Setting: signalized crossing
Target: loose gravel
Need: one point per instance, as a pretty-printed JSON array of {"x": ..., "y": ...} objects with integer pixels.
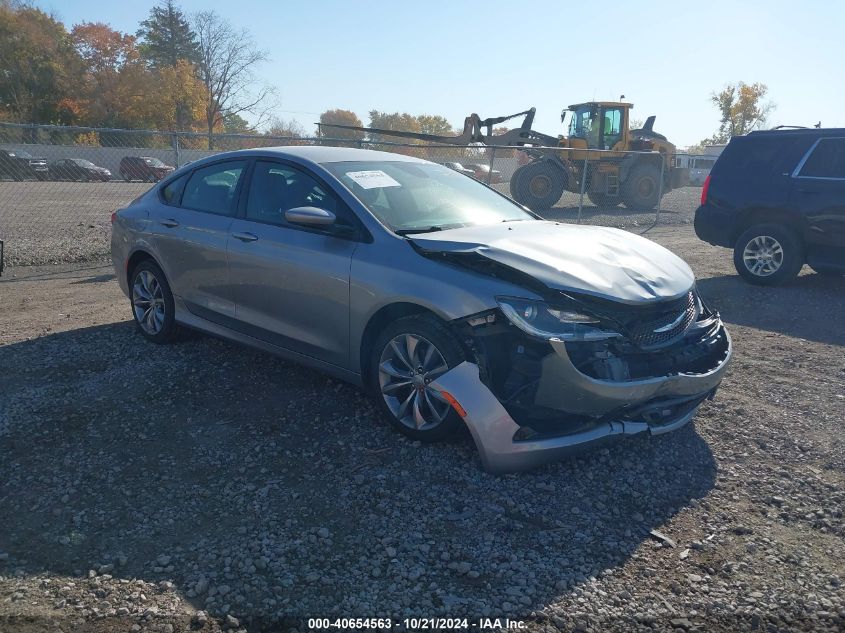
[{"x": 206, "y": 486}]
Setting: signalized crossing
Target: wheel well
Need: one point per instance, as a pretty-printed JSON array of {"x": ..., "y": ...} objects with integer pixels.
[
  {"x": 136, "y": 258},
  {"x": 378, "y": 322},
  {"x": 766, "y": 216}
]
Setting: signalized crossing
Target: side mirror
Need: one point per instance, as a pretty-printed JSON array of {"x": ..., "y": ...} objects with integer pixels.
[{"x": 310, "y": 216}]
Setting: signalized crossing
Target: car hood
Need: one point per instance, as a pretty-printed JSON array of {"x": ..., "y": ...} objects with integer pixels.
[{"x": 598, "y": 261}]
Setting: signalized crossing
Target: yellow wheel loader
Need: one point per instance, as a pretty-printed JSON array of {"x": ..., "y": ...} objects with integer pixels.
[{"x": 622, "y": 165}]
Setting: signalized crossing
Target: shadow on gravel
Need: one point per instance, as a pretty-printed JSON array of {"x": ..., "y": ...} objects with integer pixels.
[
  {"x": 814, "y": 301},
  {"x": 268, "y": 491}
]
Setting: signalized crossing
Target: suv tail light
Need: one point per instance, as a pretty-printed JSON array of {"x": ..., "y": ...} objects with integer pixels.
[
  {"x": 705, "y": 189},
  {"x": 113, "y": 216}
]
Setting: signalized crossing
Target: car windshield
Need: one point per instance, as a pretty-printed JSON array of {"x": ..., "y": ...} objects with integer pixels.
[
  {"x": 83, "y": 163},
  {"x": 21, "y": 154},
  {"x": 420, "y": 197},
  {"x": 154, "y": 162}
]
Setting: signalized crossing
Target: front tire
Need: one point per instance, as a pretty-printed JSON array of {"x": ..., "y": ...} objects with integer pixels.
[
  {"x": 641, "y": 190},
  {"x": 408, "y": 355},
  {"x": 768, "y": 254},
  {"x": 152, "y": 303}
]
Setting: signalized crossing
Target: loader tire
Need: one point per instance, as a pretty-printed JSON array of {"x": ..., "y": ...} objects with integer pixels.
[
  {"x": 539, "y": 185},
  {"x": 641, "y": 190}
]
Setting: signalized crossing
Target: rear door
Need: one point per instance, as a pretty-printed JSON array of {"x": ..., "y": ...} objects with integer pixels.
[
  {"x": 190, "y": 227},
  {"x": 819, "y": 194},
  {"x": 291, "y": 283}
]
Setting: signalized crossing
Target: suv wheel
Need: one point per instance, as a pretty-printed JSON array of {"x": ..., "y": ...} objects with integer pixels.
[
  {"x": 152, "y": 303},
  {"x": 408, "y": 355},
  {"x": 768, "y": 254}
]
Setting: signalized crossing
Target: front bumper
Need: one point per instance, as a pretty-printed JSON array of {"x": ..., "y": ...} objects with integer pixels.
[{"x": 653, "y": 405}]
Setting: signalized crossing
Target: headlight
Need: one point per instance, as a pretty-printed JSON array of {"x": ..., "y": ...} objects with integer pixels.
[{"x": 544, "y": 321}]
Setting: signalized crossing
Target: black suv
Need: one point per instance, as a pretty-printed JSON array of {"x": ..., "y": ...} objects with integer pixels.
[{"x": 778, "y": 199}]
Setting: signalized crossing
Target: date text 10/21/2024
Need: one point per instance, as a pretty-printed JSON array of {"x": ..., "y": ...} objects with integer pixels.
[{"x": 415, "y": 624}]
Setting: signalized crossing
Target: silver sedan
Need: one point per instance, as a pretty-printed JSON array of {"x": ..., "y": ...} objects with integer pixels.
[{"x": 449, "y": 302}]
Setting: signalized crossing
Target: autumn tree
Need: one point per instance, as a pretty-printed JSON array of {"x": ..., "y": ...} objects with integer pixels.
[
  {"x": 742, "y": 108},
  {"x": 166, "y": 37},
  {"x": 340, "y": 117},
  {"x": 40, "y": 71},
  {"x": 435, "y": 124},
  {"x": 117, "y": 84},
  {"x": 227, "y": 63},
  {"x": 181, "y": 94}
]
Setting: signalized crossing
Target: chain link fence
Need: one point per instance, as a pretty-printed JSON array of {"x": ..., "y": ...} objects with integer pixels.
[{"x": 59, "y": 185}]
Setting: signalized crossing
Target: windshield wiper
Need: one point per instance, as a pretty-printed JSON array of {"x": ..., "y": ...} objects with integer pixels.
[{"x": 428, "y": 229}]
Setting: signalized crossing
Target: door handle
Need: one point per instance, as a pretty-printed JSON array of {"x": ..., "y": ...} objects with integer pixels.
[
  {"x": 170, "y": 223},
  {"x": 245, "y": 237}
]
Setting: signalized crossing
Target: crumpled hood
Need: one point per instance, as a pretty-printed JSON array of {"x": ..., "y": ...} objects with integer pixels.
[{"x": 599, "y": 261}]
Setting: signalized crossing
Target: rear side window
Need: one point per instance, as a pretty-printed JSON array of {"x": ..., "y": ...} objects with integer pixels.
[
  {"x": 757, "y": 158},
  {"x": 171, "y": 193},
  {"x": 212, "y": 189},
  {"x": 826, "y": 161}
]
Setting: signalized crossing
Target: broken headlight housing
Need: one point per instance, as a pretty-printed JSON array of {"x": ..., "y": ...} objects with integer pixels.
[{"x": 542, "y": 320}]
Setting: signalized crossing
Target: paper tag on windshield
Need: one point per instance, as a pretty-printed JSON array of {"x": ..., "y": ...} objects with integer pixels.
[{"x": 375, "y": 179}]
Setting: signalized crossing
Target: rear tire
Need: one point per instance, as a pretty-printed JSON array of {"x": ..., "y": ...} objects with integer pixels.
[
  {"x": 768, "y": 254},
  {"x": 540, "y": 185},
  {"x": 641, "y": 190},
  {"x": 406, "y": 356},
  {"x": 151, "y": 300}
]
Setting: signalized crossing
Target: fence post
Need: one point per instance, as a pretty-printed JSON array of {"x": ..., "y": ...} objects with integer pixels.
[
  {"x": 660, "y": 191},
  {"x": 175, "y": 144},
  {"x": 583, "y": 187},
  {"x": 492, "y": 162}
]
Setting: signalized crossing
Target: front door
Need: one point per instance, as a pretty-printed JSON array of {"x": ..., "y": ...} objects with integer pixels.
[
  {"x": 818, "y": 193},
  {"x": 291, "y": 284}
]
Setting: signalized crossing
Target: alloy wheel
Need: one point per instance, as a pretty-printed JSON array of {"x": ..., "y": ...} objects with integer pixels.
[
  {"x": 407, "y": 366},
  {"x": 148, "y": 302},
  {"x": 763, "y": 256}
]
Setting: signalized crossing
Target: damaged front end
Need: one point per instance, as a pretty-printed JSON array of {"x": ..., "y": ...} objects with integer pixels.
[{"x": 552, "y": 376}]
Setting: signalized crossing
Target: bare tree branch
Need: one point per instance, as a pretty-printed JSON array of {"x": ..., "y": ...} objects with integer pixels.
[{"x": 227, "y": 68}]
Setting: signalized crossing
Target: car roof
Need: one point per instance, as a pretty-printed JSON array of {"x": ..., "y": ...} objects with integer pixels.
[
  {"x": 810, "y": 131},
  {"x": 323, "y": 154}
]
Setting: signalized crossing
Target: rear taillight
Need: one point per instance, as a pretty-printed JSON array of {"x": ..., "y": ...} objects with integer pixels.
[
  {"x": 705, "y": 189},
  {"x": 113, "y": 216}
]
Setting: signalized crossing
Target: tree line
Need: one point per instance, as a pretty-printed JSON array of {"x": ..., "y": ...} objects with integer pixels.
[{"x": 176, "y": 73}]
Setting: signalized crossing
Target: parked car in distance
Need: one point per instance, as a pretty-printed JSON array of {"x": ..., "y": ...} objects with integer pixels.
[
  {"x": 143, "y": 168},
  {"x": 460, "y": 169},
  {"x": 442, "y": 297},
  {"x": 78, "y": 169},
  {"x": 777, "y": 198},
  {"x": 20, "y": 165},
  {"x": 481, "y": 172}
]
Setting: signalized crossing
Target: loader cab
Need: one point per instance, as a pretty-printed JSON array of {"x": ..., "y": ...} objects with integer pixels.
[{"x": 603, "y": 125}]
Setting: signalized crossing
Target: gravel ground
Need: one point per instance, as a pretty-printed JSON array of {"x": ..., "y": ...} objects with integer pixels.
[
  {"x": 59, "y": 222},
  {"x": 206, "y": 486}
]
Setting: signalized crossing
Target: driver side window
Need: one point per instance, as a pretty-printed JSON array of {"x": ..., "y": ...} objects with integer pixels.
[{"x": 276, "y": 188}]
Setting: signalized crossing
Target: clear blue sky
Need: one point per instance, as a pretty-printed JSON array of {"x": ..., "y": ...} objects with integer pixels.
[{"x": 499, "y": 57}]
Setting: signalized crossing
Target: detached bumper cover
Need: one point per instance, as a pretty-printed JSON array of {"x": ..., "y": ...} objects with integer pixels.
[{"x": 495, "y": 431}]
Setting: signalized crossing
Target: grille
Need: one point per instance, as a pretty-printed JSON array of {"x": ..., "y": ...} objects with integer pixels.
[{"x": 666, "y": 326}]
